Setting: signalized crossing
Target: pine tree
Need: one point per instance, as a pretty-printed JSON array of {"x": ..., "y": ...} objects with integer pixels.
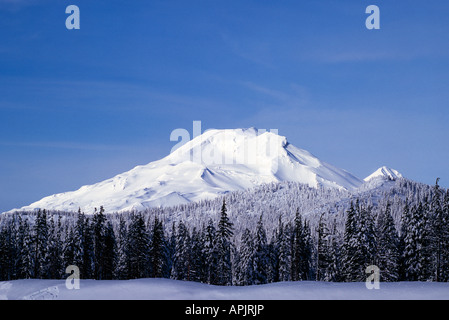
[
  {"x": 245, "y": 265},
  {"x": 171, "y": 249},
  {"x": 26, "y": 254},
  {"x": 323, "y": 259},
  {"x": 439, "y": 234},
  {"x": 210, "y": 253},
  {"x": 425, "y": 241},
  {"x": 224, "y": 234},
  {"x": 444, "y": 262},
  {"x": 284, "y": 252},
  {"x": 22, "y": 229},
  {"x": 109, "y": 252},
  {"x": 273, "y": 259},
  {"x": 99, "y": 232},
  {"x": 302, "y": 250},
  {"x": 350, "y": 250},
  {"x": 14, "y": 248},
  {"x": 297, "y": 248},
  {"x": 54, "y": 261},
  {"x": 40, "y": 243},
  {"x": 69, "y": 248},
  {"x": 79, "y": 240},
  {"x": 122, "y": 256},
  {"x": 5, "y": 253},
  {"x": 261, "y": 258},
  {"x": 197, "y": 261},
  {"x": 158, "y": 249},
  {"x": 416, "y": 246},
  {"x": 87, "y": 267},
  {"x": 182, "y": 260},
  {"x": 404, "y": 241},
  {"x": 334, "y": 271},
  {"x": 387, "y": 246},
  {"x": 306, "y": 259},
  {"x": 138, "y": 248}
]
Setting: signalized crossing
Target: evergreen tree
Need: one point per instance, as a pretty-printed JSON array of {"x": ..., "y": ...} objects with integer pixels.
[
  {"x": 99, "y": 246},
  {"x": 245, "y": 265},
  {"x": 273, "y": 261},
  {"x": 5, "y": 253},
  {"x": 181, "y": 261},
  {"x": 197, "y": 261},
  {"x": 284, "y": 252},
  {"x": 26, "y": 254},
  {"x": 14, "y": 248},
  {"x": 122, "y": 256},
  {"x": 79, "y": 240},
  {"x": 404, "y": 241},
  {"x": 224, "y": 234},
  {"x": 444, "y": 261},
  {"x": 416, "y": 245},
  {"x": 261, "y": 258},
  {"x": 323, "y": 258},
  {"x": 54, "y": 261},
  {"x": 210, "y": 253},
  {"x": 69, "y": 248},
  {"x": 22, "y": 230},
  {"x": 297, "y": 248},
  {"x": 40, "y": 243},
  {"x": 171, "y": 249},
  {"x": 425, "y": 241},
  {"x": 439, "y": 234},
  {"x": 306, "y": 260},
  {"x": 138, "y": 248},
  {"x": 87, "y": 267},
  {"x": 387, "y": 246},
  {"x": 301, "y": 255},
  {"x": 158, "y": 255},
  {"x": 109, "y": 252},
  {"x": 351, "y": 261},
  {"x": 334, "y": 271},
  {"x": 410, "y": 236}
]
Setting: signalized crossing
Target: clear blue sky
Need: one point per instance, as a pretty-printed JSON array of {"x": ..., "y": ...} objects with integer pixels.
[{"x": 79, "y": 106}]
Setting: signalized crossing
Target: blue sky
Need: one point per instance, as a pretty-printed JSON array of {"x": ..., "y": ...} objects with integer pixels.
[{"x": 79, "y": 106}]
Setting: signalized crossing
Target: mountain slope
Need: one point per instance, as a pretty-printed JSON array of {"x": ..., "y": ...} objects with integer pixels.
[{"x": 212, "y": 164}]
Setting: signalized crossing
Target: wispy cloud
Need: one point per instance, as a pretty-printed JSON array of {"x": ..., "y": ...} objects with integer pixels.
[{"x": 296, "y": 96}]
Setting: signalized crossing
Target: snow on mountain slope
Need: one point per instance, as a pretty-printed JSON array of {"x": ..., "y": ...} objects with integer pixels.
[
  {"x": 384, "y": 173},
  {"x": 381, "y": 178},
  {"x": 212, "y": 164}
]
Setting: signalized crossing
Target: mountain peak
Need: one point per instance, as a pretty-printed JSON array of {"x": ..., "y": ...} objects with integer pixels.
[
  {"x": 210, "y": 165},
  {"x": 384, "y": 173},
  {"x": 248, "y": 146}
]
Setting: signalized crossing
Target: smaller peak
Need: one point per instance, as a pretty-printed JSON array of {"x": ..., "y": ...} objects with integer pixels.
[{"x": 385, "y": 173}]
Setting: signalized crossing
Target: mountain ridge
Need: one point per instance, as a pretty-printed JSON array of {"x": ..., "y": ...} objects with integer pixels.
[{"x": 210, "y": 165}]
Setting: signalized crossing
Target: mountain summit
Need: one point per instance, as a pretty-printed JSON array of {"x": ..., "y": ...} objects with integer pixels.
[
  {"x": 212, "y": 164},
  {"x": 384, "y": 173}
]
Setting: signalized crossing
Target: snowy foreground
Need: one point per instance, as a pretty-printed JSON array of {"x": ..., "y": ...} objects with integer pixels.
[{"x": 165, "y": 289}]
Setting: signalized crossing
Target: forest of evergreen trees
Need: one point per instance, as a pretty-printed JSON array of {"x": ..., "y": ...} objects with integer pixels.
[{"x": 40, "y": 245}]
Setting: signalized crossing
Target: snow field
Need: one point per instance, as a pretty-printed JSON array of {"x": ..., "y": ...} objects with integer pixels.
[{"x": 166, "y": 289}]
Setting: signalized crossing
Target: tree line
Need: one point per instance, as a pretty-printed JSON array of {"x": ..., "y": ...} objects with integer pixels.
[{"x": 129, "y": 246}]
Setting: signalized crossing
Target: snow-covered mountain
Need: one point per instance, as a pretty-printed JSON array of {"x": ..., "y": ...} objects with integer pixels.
[
  {"x": 384, "y": 173},
  {"x": 212, "y": 164}
]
